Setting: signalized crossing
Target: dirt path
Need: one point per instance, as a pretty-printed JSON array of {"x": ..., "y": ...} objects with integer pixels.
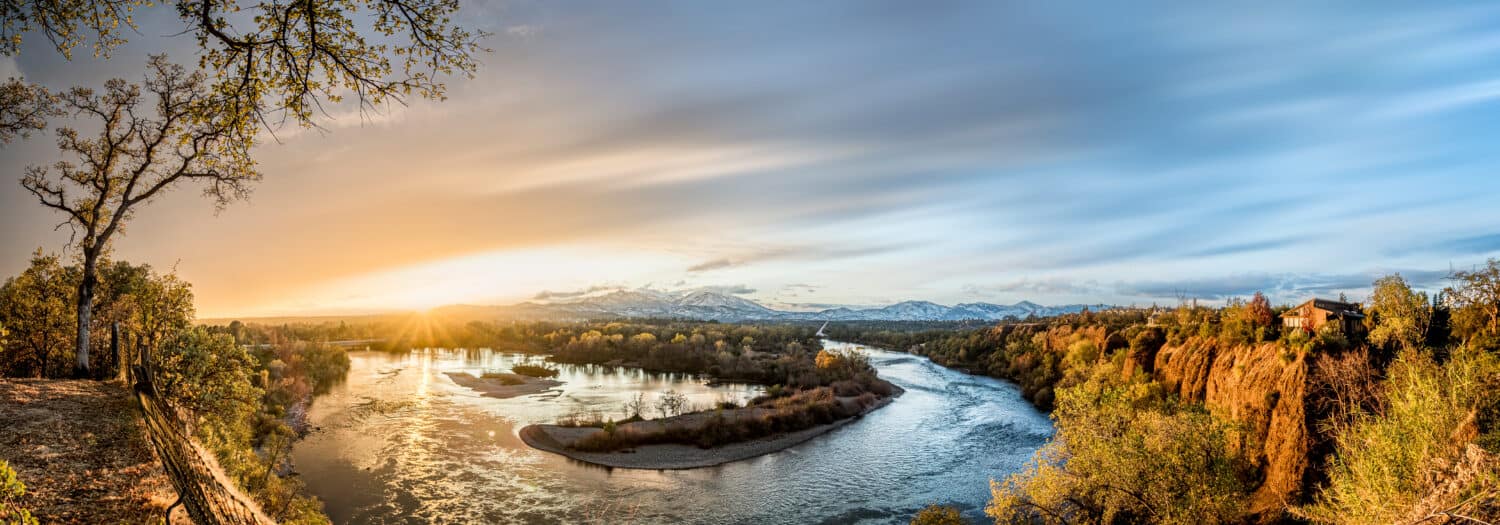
[{"x": 79, "y": 448}]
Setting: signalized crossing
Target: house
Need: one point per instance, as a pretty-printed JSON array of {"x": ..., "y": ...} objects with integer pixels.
[{"x": 1315, "y": 313}]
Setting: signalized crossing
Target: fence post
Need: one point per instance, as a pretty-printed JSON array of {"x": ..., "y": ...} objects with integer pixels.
[{"x": 114, "y": 349}]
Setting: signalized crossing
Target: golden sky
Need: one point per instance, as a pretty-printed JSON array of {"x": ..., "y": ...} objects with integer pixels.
[{"x": 855, "y": 153}]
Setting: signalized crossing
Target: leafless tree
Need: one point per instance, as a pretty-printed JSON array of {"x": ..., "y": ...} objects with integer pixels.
[
  {"x": 670, "y": 403},
  {"x": 1344, "y": 386},
  {"x": 636, "y": 405},
  {"x": 149, "y": 141}
]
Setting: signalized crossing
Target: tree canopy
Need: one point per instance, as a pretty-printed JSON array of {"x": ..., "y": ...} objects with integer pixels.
[
  {"x": 278, "y": 61},
  {"x": 1401, "y": 315}
]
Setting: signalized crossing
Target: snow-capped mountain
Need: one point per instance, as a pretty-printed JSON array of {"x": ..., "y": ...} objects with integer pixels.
[{"x": 715, "y": 305}]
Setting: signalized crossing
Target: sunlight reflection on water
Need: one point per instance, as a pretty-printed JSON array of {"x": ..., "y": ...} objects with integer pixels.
[{"x": 401, "y": 443}]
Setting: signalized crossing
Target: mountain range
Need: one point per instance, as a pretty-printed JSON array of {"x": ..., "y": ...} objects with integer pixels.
[{"x": 706, "y": 305}]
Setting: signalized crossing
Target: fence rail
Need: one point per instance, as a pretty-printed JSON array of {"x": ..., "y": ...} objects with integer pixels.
[{"x": 208, "y": 496}]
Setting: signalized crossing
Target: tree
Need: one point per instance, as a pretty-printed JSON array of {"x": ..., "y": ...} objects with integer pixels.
[
  {"x": 1475, "y": 300},
  {"x": 35, "y": 308},
  {"x": 670, "y": 403},
  {"x": 1258, "y": 311},
  {"x": 1128, "y": 455},
  {"x": 636, "y": 405},
  {"x": 134, "y": 159},
  {"x": 274, "y": 61},
  {"x": 1400, "y": 314},
  {"x": 24, "y": 108},
  {"x": 939, "y": 515},
  {"x": 149, "y": 307},
  {"x": 207, "y": 375}
]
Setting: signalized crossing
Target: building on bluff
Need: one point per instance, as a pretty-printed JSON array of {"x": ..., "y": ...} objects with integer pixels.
[{"x": 1315, "y": 313}]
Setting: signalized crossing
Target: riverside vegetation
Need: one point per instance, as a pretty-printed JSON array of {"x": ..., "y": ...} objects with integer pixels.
[
  {"x": 1219, "y": 415},
  {"x": 245, "y": 402}
]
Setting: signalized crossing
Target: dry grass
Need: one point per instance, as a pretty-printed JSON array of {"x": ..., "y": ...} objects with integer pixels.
[{"x": 80, "y": 449}]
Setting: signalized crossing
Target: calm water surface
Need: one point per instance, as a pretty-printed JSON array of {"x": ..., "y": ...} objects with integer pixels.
[{"x": 401, "y": 443}]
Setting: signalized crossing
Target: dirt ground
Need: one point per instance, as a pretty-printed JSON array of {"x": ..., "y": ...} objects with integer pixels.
[{"x": 80, "y": 449}]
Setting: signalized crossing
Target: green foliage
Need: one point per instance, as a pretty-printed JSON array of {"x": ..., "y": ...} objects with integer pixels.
[
  {"x": 1399, "y": 316},
  {"x": 24, "y": 108},
  {"x": 1475, "y": 302},
  {"x": 1128, "y": 453},
  {"x": 939, "y": 515},
  {"x": 11, "y": 492},
  {"x": 36, "y": 308},
  {"x": 274, "y": 62},
  {"x": 248, "y": 408},
  {"x": 1409, "y": 458},
  {"x": 210, "y": 377}
]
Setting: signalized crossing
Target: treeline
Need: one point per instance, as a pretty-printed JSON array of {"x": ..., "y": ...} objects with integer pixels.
[
  {"x": 760, "y": 353},
  {"x": 1039, "y": 356},
  {"x": 767, "y": 354},
  {"x": 247, "y": 402}
]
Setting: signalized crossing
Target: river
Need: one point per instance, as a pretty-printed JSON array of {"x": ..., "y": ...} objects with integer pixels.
[{"x": 399, "y": 442}]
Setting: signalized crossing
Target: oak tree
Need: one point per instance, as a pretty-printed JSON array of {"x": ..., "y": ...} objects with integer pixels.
[
  {"x": 277, "y": 60},
  {"x": 149, "y": 142},
  {"x": 1475, "y": 300}
]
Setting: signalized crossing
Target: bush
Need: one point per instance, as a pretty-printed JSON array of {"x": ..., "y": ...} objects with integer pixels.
[
  {"x": 1129, "y": 454},
  {"x": 11, "y": 492},
  {"x": 535, "y": 371},
  {"x": 939, "y": 515},
  {"x": 1413, "y": 457}
]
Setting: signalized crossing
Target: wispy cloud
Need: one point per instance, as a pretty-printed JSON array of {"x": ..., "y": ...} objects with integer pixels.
[{"x": 546, "y": 295}]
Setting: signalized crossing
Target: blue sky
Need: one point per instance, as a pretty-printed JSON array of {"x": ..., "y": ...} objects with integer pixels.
[{"x": 814, "y": 153}]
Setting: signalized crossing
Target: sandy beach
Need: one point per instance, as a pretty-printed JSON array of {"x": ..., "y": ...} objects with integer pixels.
[
  {"x": 555, "y": 439},
  {"x": 496, "y": 387}
]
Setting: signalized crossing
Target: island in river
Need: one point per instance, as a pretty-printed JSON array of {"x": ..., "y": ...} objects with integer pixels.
[
  {"x": 647, "y": 451},
  {"x": 503, "y": 386},
  {"x": 811, "y": 393}
]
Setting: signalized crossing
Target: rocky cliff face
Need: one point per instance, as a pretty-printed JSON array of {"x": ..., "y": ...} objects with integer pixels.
[{"x": 1263, "y": 386}]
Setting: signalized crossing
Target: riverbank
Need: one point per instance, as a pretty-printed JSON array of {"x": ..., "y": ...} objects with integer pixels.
[
  {"x": 503, "y": 386},
  {"x": 81, "y": 451},
  {"x": 673, "y": 456}
]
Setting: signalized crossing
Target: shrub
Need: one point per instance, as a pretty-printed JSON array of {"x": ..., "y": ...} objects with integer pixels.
[
  {"x": 535, "y": 371},
  {"x": 1414, "y": 458},
  {"x": 939, "y": 515},
  {"x": 1128, "y": 454},
  {"x": 11, "y": 492}
]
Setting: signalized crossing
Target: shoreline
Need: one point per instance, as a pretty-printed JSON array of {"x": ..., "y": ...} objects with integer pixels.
[
  {"x": 553, "y": 438},
  {"x": 489, "y": 387}
]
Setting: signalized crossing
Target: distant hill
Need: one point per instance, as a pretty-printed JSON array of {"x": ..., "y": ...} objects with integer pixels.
[{"x": 718, "y": 306}]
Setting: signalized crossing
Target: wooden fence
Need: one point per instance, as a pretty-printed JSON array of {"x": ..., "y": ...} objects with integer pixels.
[{"x": 204, "y": 491}]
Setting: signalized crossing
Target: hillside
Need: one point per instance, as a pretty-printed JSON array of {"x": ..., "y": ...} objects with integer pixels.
[{"x": 80, "y": 450}]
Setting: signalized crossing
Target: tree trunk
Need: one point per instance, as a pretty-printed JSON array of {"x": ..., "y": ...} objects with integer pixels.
[
  {"x": 115, "y": 350},
  {"x": 85, "y": 315}
]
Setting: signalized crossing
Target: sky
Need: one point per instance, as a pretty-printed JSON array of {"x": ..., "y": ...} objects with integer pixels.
[{"x": 805, "y": 154}]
